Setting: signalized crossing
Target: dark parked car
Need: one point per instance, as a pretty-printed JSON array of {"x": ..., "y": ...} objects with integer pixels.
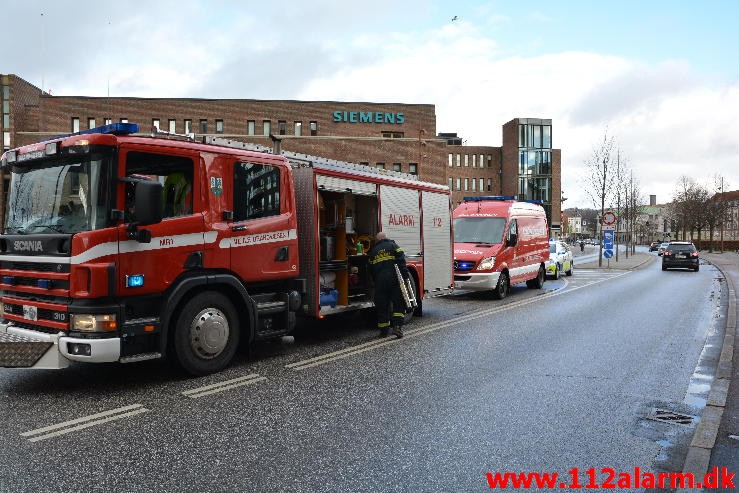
[
  {"x": 680, "y": 254},
  {"x": 654, "y": 246}
]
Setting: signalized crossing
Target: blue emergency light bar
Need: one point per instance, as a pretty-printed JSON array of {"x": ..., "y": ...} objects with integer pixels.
[
  {"x": 489, "y": 197},
  {"x": 537, "y": 201},
  {"x": 111, "y": 129}
]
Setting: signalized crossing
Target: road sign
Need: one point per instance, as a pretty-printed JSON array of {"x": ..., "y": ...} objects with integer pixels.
[
  {"x": 608, "y": 253},
  {"x": 608, "y": 239},
  {"x": 609, "y": 218}
]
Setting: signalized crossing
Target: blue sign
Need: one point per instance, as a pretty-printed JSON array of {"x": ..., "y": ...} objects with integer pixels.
[
  {"x": 608, "y": 253},
  {"x": 608, "y": 239}
]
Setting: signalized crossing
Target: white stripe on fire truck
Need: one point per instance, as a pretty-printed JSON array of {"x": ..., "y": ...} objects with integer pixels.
[
  {"x": 87, "y": 421},
  {"x": 132, "y": 246},
  {"x": 258, "y": 238}
]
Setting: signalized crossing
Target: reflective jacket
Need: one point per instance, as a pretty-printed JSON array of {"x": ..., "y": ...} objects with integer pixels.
[{"x": 384, "y": 256}]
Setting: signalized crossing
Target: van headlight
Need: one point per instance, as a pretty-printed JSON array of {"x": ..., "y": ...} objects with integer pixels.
[
  {"x": 93, "y": 323},
  {"x": 486, "y": 264}
]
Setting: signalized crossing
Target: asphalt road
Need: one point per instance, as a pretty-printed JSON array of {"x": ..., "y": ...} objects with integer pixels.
[{"x": 546, "y": 380}]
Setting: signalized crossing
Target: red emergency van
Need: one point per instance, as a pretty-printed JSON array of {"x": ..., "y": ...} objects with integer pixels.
[{"x": 499, "y": 241}]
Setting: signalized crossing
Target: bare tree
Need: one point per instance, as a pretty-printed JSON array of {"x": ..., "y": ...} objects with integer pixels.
[{"x": 599, "y": 183}]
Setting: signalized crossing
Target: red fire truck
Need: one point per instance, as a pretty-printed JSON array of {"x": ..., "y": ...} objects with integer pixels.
[{"x": 119, "y": 246}]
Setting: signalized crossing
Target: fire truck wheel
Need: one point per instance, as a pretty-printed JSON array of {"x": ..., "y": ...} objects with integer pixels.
[
  {"x": 501, "y": 290},
  {"x": 207, "y": 334}
]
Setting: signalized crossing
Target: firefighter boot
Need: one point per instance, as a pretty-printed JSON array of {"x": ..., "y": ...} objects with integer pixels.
[
  {"x": 397, "y": 330},
  {"x": 384, "y": 330}
]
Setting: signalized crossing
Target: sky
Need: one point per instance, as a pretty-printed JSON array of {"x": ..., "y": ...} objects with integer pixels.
[{"x": 659, "y": 77}]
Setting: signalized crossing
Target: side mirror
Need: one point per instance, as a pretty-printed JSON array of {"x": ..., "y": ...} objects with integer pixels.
[
  {"x": 512, "y": 240},
  {"x": 148, "y": 203}
]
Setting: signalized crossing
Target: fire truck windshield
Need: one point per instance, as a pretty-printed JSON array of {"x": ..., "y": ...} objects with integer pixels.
[
  {"x": 60, "y": 194},
  {"x": 487, "y": 230}
]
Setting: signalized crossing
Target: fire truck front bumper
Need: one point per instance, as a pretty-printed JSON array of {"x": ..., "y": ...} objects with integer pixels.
[
  {"x": 23, "y": 348},
  {"x": 476, "y": 282}
]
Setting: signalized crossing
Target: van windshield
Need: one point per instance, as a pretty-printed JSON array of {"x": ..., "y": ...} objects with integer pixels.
[{"x": 479, "y": 230}]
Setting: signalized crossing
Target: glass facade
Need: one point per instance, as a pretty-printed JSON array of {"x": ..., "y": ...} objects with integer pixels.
[{"x": 535, "y": 162}]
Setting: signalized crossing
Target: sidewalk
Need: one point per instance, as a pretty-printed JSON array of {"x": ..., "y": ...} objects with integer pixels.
[
  {"x": 716, "y": 440},
  {"x": 635, "y": 260}
]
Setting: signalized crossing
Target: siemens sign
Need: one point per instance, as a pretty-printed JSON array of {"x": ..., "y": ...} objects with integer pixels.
[{"x": 368, "y": 117}]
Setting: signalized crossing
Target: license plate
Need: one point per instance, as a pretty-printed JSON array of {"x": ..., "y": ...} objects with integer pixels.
[
  {"x": 30, "y": 312},
  {"x": 679, "y": 256}
]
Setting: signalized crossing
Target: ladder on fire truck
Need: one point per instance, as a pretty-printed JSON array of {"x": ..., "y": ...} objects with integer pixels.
[{"x": 306, "y": 160}]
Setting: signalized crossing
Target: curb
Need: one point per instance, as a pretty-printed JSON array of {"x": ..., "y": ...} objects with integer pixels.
[
  {"x": 617, "y": 267},
  {"x": 704, "y": 438}
]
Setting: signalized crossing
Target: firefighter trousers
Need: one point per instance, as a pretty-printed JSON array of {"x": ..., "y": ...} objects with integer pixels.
[{"x": 389, "y": 301}]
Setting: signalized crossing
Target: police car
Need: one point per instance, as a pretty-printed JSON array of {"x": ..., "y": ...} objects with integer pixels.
[{"x": 560, "y": 259}]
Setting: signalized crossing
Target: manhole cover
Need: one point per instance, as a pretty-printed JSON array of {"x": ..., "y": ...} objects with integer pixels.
[{"x": 666, "y": 416}]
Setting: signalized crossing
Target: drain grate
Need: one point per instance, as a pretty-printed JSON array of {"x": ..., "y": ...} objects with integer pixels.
[{"x": 666, "y": 416}]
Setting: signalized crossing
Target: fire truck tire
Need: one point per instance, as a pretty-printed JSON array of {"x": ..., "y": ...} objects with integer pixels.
[
  {"x": 207, "y": 334},
  {"x": 501, "y": 289}
]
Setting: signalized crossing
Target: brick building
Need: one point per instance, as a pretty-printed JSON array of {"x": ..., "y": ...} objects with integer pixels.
[{"x": 393, "y": 136}]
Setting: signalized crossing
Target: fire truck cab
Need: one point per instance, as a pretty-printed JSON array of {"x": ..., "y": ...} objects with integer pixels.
[
  {"x": 499, "y": 241},
  {"x": 123, "y": 247}
]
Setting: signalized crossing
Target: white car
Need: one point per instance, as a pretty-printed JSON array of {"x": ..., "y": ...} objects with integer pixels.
[{"x": 560, "y": 260}]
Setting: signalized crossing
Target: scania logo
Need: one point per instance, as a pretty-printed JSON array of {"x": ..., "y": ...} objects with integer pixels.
[{"x": 28, "y": 246}]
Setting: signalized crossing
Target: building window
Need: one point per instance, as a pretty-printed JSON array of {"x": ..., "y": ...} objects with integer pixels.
[
  {"x": 466, "y": 160},
  {"x": 250, "y": 126},
  {"x": 219, "y": 126},
  {"x": 490, "y": 160},
  {"x": 281, "y": 127},
  {"x": 203, "y": 126},
  {"x": 413, "y": 168},
  {"x": 188, "y": 126},
  {"x": 397, "y": 167},
  {"x": 124, "y": 120},
  {"x": 90, "y": 123},
  {"x": 6, "y": 92},
  {"x": 314, "y": 128},
  {"x": 267, "y": 126},
  {"x": 466, "y": 184},
  {"x": 459, "y": 160},
  {"x": 392, "y": 135},
  {"x": 172, "y": 126},
  {"x": 451, "y": 160},
  {"x": 474, "y": 160},
  {"x": 380, "y": 166},
  {"x": 6, "y": 140},
  {"x": 459, "y": 182},
  {"x": 107, "y": 121},
  {"x": 155, "y": 123},
  {"x": 75, "y": 124},
  {"x": 481, "y": 184},
  {"x": 298, "y": 128},
  {"x": 451, "y": 183},
  {"x": 6, "y": 120},
  {"x": 474, "y": 185},
  {"x": 547, "y": 136}
]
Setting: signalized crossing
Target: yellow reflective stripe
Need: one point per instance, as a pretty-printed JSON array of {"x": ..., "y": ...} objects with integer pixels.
[
  {"x": 398, "y": 314},
  {"x": 381, "y": 257},
  {"x": 383, "y": 324}
]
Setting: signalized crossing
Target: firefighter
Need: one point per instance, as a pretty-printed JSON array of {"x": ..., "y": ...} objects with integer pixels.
[
  {"x": 383, "y": 257},
  {"x": 177, "y": 195}
]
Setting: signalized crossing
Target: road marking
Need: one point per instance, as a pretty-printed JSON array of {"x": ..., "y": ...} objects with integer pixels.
[
  {"x": 223, "y": 386},
  {"x": 87, "y": 422},
  {"x": 367, "y": 346}
]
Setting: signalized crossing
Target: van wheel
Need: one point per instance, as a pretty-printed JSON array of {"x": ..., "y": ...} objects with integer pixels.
[
  {"x": 501, "y": 290},
  {"x": 538, "y": 281},
  {"x": 207, "y": 334},
  {"x": 569, "y": 272}
]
